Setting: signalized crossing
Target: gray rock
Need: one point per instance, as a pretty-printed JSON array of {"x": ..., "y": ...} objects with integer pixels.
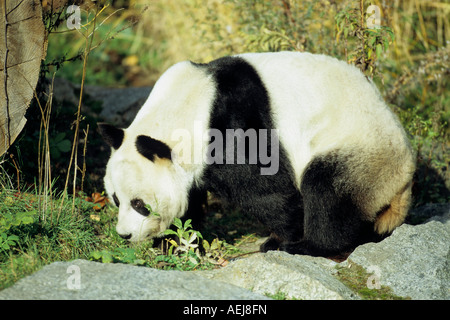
[
  {"x": 64, "y": 91},
  {"x": 120, "y": 105},
  {"x": 120, "y": 281},
  {"x": 414, "y": 261},
  {"x": 299, "y": 277}
]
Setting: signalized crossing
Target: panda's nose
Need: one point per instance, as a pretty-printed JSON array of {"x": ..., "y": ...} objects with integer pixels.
[{"x": 125, "y": 236}]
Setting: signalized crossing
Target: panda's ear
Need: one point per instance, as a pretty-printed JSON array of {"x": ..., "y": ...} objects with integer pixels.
[
  {"x": 150, "y": 148},
  {"x": 113, "y": 136}
]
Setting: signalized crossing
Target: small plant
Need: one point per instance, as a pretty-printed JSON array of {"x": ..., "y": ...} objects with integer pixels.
[
  {"x": 118, "y": 255},
  {"x": 187, "y": 236},
  {"x": 10, "y": 219},
  {"x": 188, "y": 241},
  {"x": 218, "y": 251},
  {"x": 59, "y": 144},
  {"x": 6, "y": 241}
]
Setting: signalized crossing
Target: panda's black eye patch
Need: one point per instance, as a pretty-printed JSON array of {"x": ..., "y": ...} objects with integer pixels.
[
  {"x": 139, "y": 206},
  {"x": 116, "y": 200}
]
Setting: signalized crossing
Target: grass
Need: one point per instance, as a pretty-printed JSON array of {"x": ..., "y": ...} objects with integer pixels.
[
  {"x": 357, "y": 278},
  {"x": 41, "y": 237}
]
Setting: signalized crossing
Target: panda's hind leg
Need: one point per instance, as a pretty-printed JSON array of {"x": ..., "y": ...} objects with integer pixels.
[{"x": 333, "y": 224}]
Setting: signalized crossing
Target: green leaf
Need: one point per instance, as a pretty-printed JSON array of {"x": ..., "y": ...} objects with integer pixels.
[
  {"x": 214, "y": 244},
  {"x": 27, "y": 220},
  {"x": 96, "y": 255},
  {"x": 64, "y": 146},
  {"x": 206, "y": 245},
  {"x": 187, "y": 224},
  {"x": 199, "y": 234},
  {"x": 13, "y": 238},
  {"x": 107, "y": 257},
  {"x": 139, "y": 262},
  {"x": 25, "y": 217},
  {"x": 177, "y": 223},
  {"x": 59, "y": 137},
  {"x": 170, "y": 231},
  {"x": 379, "y": 50}
]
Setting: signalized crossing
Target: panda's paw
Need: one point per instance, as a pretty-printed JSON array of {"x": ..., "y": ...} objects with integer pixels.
[
  {"x": 272, "y": 243},
  {"x": 298, "y": 247}
]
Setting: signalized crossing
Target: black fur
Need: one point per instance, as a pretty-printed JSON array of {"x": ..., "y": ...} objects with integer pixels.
[
  {"x": 242, "y": 102},
  {"x": 197, "y": 207},
  {"x": 113, "y": 136},
  {"x": 116, "y": 200},
  {"x": 150, "y": 148},
  {"x": 139, "y": 206}
]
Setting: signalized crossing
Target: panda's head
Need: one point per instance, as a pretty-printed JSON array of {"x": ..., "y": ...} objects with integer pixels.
[{"x": 141, "y": 179}]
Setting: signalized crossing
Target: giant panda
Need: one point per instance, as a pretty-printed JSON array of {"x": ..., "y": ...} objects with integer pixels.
[{"x": 318, "y": 156}]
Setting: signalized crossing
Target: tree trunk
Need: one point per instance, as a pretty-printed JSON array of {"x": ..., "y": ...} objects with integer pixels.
[{"x": 22, "y": 47}]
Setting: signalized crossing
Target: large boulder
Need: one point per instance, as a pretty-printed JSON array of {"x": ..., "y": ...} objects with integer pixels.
[
  {"x": 291, "y": 276},
  {"x": 414, "y": 261},
  {"x": 81, "y": 279}
]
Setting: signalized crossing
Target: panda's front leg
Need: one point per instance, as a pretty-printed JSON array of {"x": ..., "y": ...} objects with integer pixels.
[{"x": 285, "y": 225}]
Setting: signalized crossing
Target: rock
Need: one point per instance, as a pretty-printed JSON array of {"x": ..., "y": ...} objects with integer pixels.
[
  {"x": 63, "y": 91},
  {"x": 120, "y": 105},
  {"x": 427, "y": 211},
  {"x": 120, "y": 281},
  {"x": 414, "y": 261},
  {"x": 295, "y": 276}
]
